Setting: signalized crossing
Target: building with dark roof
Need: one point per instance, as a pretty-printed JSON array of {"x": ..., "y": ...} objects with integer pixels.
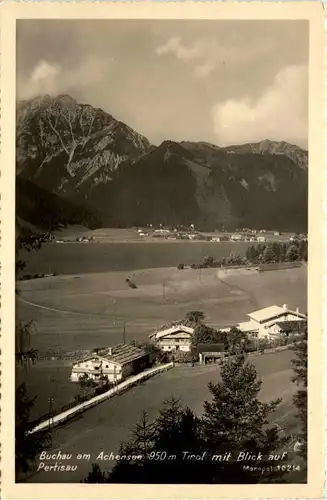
[
  {"x": 210, "y": 352},
  {"x": 115, "y": 363}
]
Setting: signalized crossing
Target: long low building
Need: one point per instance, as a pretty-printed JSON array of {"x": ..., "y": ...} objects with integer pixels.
[
  {"x": 115, "y": 363},
  {"x": 270, "y": 322}
]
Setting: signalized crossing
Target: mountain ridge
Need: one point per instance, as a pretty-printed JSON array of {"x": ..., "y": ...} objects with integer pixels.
[{"x": 98, "y": 162}]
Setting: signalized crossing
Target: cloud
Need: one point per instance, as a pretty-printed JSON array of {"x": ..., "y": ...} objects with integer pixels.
[
  {"x": 185, "y": 53},
  {"x": 204, "y": 70},
  {"x": 50, "y": 78},
  {"x": 175, "y": 47},
  {"x": 280, "y": 113}
]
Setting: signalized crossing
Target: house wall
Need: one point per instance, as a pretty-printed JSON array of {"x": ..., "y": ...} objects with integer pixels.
[
  {"x": 94, "y": 368},
  {"x": 113, "y": 371},
  {"x": 273, "y": 331},
  {"x": 172, "y": 343}
]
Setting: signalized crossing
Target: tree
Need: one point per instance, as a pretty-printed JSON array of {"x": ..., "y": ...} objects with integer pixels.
[
  {"x": 251, "y": 253},
  {"x": 303, "y": 250},
  {"x": 96, "y": 475},
  {"x": 300, "y": 378},
  {"x": 237, "y": 420},
  {"x": 237, "y": 341},
  {"x": 234, "y": 420},
  {"x": 24, "y": 353},
  {"x": 154, "y": 352},
  {"x": 292, "y": 253},
  {"x": 195, "y": 316},
  {"x": 175, "y": 430},
  {"x": 208, "y": 260},
  {"x": 204, "y": 334},
  {"x": 269, "y": 254},
  {"x": 234, "y": 259},
  {"x": 27, "y": 446}
]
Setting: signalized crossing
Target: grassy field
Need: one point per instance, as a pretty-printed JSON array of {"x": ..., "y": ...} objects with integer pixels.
[
  {"x": 105, "y": 426},
  {"x": 91, "y": 310}
]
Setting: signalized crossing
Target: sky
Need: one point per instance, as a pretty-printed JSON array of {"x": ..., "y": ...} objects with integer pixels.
[{"x": 220, "y": 81}]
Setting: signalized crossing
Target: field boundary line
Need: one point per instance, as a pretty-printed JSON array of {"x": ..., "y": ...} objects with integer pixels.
[{"x": 130, "y": 382}]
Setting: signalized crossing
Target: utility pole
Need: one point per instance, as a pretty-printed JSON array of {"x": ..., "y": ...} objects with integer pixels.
[
  {"x": 58, "y": 345},
  {"x": 114, "y": 307},
  {"x": 50, "y": 401},
  {"x": 124, "y": 334},
  {"x": 164, "y": 290}
]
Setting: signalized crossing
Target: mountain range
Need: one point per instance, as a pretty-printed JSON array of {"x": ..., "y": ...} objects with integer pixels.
[{"x": 82, "y": 165}]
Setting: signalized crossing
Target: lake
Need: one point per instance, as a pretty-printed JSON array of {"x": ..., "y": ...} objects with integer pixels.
[{"x": 78, "y": 258}]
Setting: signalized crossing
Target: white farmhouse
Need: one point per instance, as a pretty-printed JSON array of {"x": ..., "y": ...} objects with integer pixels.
[
  {"x": 270, "y": 322},
  {"x": 115, "y": 363},
  {"x": 174, "y": 337}
]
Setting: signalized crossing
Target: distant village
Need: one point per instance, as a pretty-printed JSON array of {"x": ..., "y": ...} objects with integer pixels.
[{"x": 190, "y": 233}]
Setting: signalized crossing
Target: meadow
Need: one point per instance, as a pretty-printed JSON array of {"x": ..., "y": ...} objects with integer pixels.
[
  {"x": 93, "y": 310},
  {"x": 89, "y": 303},
  {"x": 105, "y": 426}
]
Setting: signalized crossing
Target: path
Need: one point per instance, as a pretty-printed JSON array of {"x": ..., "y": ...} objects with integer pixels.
[{"x": 104, "y": 427}]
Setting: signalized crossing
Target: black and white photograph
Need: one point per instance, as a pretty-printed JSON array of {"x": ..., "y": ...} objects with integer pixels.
[{"x": 162, "y": 264}]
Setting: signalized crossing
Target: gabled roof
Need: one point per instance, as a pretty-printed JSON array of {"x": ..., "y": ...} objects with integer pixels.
[
  {"x": 174, "y": 328},
  {"x": 120, "y": 354},
  {"x": 267, "y": 313},
  {"x": 272, "y": 312}
]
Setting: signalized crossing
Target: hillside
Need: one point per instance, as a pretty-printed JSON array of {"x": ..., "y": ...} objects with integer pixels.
[
  {"x": 67, "y": 148},
  {"x": 87, "y": 156},
  {"x": 40, "y": 210}
]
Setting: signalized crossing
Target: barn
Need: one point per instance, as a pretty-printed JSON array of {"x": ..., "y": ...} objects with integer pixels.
[{"x": 114, "y": 363}]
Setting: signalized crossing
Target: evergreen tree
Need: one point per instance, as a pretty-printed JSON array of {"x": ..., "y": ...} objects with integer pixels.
[
  {"x": 292, "y": 253},
  {"x": 27, "y": 446},
  {"x": 282, "y": 252},
  {"x": 276, "y": 248},
  {"x": 252, "y": 253},
  {"x": 175, "y": 431},
  {"x": 300, "y": 368},
  {"x": 269, "y": 254},
  {"x": 303, "y": 250},
  {"x": 236, "y": 420},
  {"x": 96, "y": 475}
]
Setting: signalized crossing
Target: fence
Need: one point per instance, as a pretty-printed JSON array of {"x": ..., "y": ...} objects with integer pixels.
[{"x": 122, "y": 387}]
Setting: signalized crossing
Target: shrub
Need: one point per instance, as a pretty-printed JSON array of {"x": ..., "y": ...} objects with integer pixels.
[
  {"x": 180, "y": 266},
  {"x": 183, "y": 357}
]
